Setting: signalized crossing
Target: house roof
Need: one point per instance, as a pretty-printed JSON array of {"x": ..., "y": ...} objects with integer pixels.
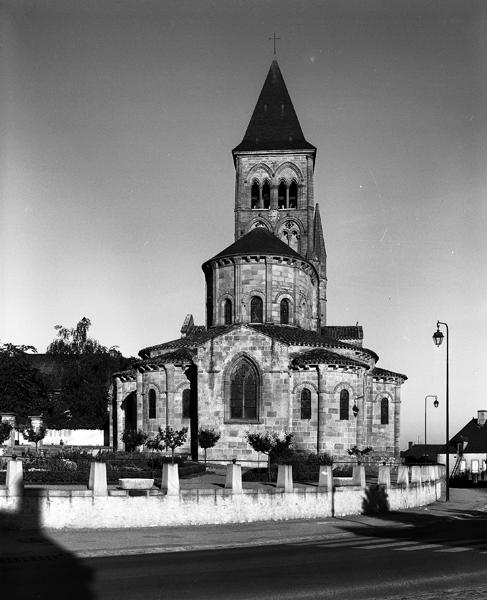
[
  {"x": 258, "y": 241},
  {"x": 274, "y": 124},
  {"x": 290, "y": 336},
  {"x": 474, "y": 437},
  {"x": 418, "y": 450},
  {"x": 343, "y": 332},
  {"x": 384, "y": 373},
  {"x": 319, "y": 356}
]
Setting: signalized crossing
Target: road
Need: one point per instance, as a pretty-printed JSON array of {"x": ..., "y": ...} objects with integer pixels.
[{"x": 447, "y": 560}]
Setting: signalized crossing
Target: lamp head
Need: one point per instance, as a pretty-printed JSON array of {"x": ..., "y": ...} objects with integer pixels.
[
  {"x": 355, "y": 410},
  {"x": 436, "y": 403},
  {"x": 438, "y": 337}
]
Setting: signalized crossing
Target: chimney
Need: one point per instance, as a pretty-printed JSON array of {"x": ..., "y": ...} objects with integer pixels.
[{"x": 481, "y": 417}]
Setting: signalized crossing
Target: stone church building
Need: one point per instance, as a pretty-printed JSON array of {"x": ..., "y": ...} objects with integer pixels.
[{"x": 266, "y": 359}]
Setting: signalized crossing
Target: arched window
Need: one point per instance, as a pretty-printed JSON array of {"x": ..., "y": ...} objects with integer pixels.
[
  {"x": 305, "y": 404},
  {"x": 186, "y": 401},
  {"x": 254, "y": 195},
  {"x": 256, "y": 310},
  {"x": 284, "y": 311},
  {"x": 152, "y": 404},
  {"x": 281, "y": 195},
  {"x": 344, "y": 405},
  {"x": 293, "y": 195},
  {"x": 384, "y": 411},
  {"x": 266, "y": 195},
  {"x": 243, "y": 392},
  {"x": 228, "y": 311}
]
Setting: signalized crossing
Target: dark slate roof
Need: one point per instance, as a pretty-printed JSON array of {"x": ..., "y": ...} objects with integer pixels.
[
  {"x": 417, "y": 450},
  {"x": 258, "y": 241},
  {"x": 343, "y": 332},
  {"x": 274, "y": 124},
  {"x": 291, "y": 336},
  {"x": 378, "y": 372},
  {"x": 179, "y": 356},
  {"x": 474, "y": 437},
  {"x": 319, "y": 356}
]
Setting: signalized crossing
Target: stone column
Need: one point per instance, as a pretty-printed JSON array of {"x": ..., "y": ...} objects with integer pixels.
[
  {"x": 139, "y": 401},
  {"x": 397, "y": 420},
  {"x": 321, "y": 408},
  {"x": 120, "y": 417},
  {"x": 237, "y": 300},
  {"x": 309, "y": 202},
  {"x": 268, "y": 291},
  {"x": 170, "y": 392}
]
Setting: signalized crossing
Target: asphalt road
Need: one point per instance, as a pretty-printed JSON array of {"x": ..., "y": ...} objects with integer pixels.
[{"x": 448, "y": 561}]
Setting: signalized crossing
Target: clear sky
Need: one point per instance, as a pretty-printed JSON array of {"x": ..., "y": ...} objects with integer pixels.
[{"x": 116, "y": 178}]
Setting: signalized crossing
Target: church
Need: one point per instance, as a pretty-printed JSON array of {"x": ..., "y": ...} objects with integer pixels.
[{"x": 266, "y": 358}]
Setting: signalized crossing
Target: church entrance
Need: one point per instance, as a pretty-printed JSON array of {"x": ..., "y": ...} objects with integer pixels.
[{"x": 192, "y": 375}]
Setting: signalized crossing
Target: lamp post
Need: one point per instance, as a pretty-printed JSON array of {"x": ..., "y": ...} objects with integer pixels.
[
  {"x": 438, "y": 339},
  {"x": 435, "y": 404}
]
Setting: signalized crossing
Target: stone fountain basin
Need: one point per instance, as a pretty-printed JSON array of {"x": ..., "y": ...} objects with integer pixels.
[{"x": 135, "y": 484}]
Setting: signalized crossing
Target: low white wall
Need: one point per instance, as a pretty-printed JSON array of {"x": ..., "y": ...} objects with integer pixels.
[
  {"x": 74, "y": 437},
  {"x": 79, "y": 509}
]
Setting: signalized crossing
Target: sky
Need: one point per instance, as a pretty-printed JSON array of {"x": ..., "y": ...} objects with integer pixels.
[{"x": 117, "y": 182}]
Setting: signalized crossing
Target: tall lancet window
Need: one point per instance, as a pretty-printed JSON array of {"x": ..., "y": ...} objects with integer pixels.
[
  {"x": 256, "y": 310},
  {"x": 254, "y": 195},
  {"x": 293, "y": 195},
  {"x": 305, "y": 404},
  {"x": 228, "y": 312},
  {"x": 384, "y": 411},
  {"x": 152, "y": 404},
  {"x": 243, "y": 392},
  {"x": 281, "y": 195},
  {"x": 266, "y": 195},
  {"x": 344, "y": 405},
  {"x": 284, "y": 311}
]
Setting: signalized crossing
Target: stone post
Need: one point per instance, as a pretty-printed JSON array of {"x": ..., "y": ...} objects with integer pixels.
[
  {"x": 233, "y": 480},
  {"x": 425, "y": 473},
  {"x": 358, "y": 475},
  {"x": 403, "y": 475},
  {"x": 384, "y": 477},
  {"x": 415, "y": 474},
  {"x": 285, "y": 478},
  {"x": 170, "y": 479},
  {"x": 325, "y": 480},
  {"x": 15, "y": 478},
  {"x": 98, "y": 479}
]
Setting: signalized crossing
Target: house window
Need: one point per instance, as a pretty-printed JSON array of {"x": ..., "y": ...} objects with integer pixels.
[
  {"x": 256, "y": 310},
  {"x": 228, "y": 311},
  {"x": 305, "y": 404},
  {"x": 344, "y": 405},
  {"x": 254, "y": 195},
  {"x": 284, "y": 311},
  {"x": 293, "y": 195},
  {"x": 186, "y": 403},
  {"x": 243, "y": 392},
  {"x": 152, "y": 404},
  {"x": 266, "y": 195},
  {"x": 384, "y": 411}
]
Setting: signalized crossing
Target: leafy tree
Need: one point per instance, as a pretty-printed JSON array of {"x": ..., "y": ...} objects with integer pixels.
[
  {"x": 22, "y": 387},
  {"x": 5, "y": 429},
  {"x": 270, "y": 444},
  {"x": 153, "y": 443},
  {"x": 172, "y": 438},
  {"x": 133, "y": 438},
  {"x": 34, "y": 435},
  {"x": 87, "y": 367},
  {"x": 359, "y": 454},
  {"x": 207, "y": 438}
]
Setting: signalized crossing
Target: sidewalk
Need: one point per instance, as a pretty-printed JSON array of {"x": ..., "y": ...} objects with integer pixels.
[{"x": 464, "y": 503}]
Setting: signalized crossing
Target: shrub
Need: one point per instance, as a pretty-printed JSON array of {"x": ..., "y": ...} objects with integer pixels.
[
  {"x": 272, "y": 444},
  {"x": 133, "y": 438},
  {"x": 207, "y": 438},
  {"x": 172, "y": 438}
]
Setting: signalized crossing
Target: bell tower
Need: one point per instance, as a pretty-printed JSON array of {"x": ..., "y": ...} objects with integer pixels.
[{"x": 274, "y": 170}]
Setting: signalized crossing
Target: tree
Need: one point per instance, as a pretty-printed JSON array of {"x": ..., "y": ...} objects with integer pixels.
[
  {"x": 207, "y": 438},
  {"x": 269, "y": 444},
  {"x": 87, "y": 367},
  {"x": 133, "y": 438},
  {"x": 5, "y": 429},
  {"x": 172, "y": 438},
  {"x": 34, "y": 435},
  {"x": 359, "y": 454},
  {"x": 22, "y": 387}
]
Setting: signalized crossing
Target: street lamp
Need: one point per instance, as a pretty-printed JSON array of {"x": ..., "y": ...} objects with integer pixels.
[
  {"x": 435, "y": 404},
  {"x": 438, "y": 339}
]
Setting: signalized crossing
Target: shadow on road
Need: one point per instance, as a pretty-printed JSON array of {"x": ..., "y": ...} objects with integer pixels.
[{"x": 31, "y": 565}]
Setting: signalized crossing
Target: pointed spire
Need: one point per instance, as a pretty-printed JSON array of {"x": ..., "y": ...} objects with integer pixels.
[
  {"x": 274, "y": 124},
  {"x": 319, "y": 250}
]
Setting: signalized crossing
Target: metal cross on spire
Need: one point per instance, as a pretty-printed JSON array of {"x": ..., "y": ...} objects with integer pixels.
[{"x": 274, "y": 38}]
